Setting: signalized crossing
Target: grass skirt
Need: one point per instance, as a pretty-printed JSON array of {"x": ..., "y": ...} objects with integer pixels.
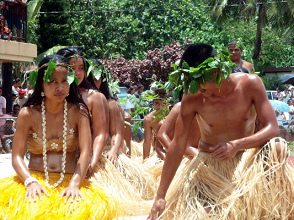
[
  {"x": 107, "y": 175},
  {"x": 97, "y": 204},
  {"x": 255, "y": 184}
]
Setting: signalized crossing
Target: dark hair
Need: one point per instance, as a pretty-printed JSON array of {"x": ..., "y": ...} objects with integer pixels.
[
  {"x": 140, "y": 86},
  {"x": 234, "y": 43},
  {"x": 196, "y": 53},
  {"x": 69, "y": 53},
  {"x": 104, "y": 89},
  {"x": 130, "y": 89},
  {"x": 241, "y": 69},
  {"x": 16, "y": 105}
]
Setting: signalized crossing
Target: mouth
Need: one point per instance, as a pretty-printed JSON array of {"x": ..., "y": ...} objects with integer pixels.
[{"x": 60, "y": 94}]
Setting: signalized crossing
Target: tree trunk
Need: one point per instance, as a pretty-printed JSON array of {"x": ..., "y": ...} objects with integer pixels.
[{"x": 258, "y": 42}]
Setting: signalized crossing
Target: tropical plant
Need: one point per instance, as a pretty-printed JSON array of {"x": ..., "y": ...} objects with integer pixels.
[{"x": 280, "y": 14}]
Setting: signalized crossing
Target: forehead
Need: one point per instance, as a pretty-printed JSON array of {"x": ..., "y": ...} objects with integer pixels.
[
  {"x": 76, "y": 61},
  {"x": 157, "y": 100},
  {"x": 60, "y": 71}
]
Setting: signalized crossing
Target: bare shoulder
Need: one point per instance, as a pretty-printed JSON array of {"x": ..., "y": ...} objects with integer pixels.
[
  {"x": 149, "y": 118},
  {"x": 29, "y": 116}
]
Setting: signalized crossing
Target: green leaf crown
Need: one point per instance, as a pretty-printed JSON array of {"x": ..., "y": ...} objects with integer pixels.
[
  {"x": 186, "y": 78},
  {"x": 50, "y": 67}
]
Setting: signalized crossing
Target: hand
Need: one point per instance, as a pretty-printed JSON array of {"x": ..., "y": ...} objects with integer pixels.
[
  {"x": 157, "y": 208},
  {"x": 73, "y": 192},
  {"x": 33, "y": 190},
  {"x": 224, "y": 151},
  {"x": 112, "y": 157}
]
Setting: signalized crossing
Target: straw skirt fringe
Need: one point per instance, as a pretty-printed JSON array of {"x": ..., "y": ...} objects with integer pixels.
[
  {"x": 96, "y": 204},
  {"x": 256, "y": 184},
  {"x": 108, "y": 176}
]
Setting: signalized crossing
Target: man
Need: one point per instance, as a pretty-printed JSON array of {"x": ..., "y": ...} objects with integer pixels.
[
  {"x": 151, "y": 125},
  {"x": 138, "y": 93},
  {"x": 21, "y": 99},
  {"x": 236, "y": 50},
  {"x": 166, "y": 132},
  {"x": 2, "y": 103},
  {"x": 14, "y": 13},
  {"x": 15, "y": 86},
  {"x": 7, "y": 134},
  {"x": 219, "y": 180}
]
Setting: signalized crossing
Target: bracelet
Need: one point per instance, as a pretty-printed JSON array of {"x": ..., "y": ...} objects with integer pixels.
[{"x": 30, "y": 180}]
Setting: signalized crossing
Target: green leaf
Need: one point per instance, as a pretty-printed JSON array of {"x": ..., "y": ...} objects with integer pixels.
[
  {"x": 48, "y": 72},
  {"x": 71, "y": 77},
  {"x": 194, "y": 87},
  {"x": 33, "y": 77}
]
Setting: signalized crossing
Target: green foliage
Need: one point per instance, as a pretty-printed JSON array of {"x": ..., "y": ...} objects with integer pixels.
[
  {"x": 271, "y": 82},
  {"x": 186, "y": 78}
]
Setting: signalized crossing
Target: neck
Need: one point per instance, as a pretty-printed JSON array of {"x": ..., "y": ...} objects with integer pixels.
[{"x": 53, "y": 107}]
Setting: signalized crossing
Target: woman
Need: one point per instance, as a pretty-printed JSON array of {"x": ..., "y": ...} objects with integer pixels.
[
  {"x": 132, "y": 171},
  {"x": 54, "y": 125},
  {"x": 95, "y": 101}
]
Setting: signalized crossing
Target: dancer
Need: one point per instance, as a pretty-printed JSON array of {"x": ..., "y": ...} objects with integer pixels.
[
  {"x": 237, "y": 173},
  {"x": 96, "y": 102},
  {"x": 54, "y": 125}
]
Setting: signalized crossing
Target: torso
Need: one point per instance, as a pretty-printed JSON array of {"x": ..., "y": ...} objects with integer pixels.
[
  {"x": 236, "y": 109},
  {"x": 54, "y": 131}
]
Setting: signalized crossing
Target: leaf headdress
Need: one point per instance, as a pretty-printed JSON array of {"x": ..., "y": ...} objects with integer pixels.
[
  {"x": 186, "y": 78},
  {"x": 50, "y": 67}
]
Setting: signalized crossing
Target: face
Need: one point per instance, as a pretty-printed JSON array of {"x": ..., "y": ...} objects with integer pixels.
[
  {"x": 133, "y": 91},
  {"x": 157, "y": 103},
  {"x": 16, "y": 110},
  {"x": 98, "y": 82},
  {"x": 141, "y": 90},
  {"x": 236, "y": 53},
  {"x": 77, "y": 64},
  {"x": 1, "y": 92},
  {"x": 58, "y": 88}
]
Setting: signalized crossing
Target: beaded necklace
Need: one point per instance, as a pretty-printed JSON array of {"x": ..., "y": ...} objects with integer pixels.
[{"x": 44, "y": 144}]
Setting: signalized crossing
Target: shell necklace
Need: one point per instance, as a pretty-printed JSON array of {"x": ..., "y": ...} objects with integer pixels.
[{"x": 44, "y": 144}]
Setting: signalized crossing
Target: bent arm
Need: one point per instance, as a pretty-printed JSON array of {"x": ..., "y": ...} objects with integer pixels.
[
  {"x": 116, "y": 126},
  {"x": 177, "y": 148},
  {"x": 19, "y": 144},
  {"x": 84, "y": 146},
  {"x": 147, "y": 137},
  {"x": 100, "y": 118},
  {"x": 266, "y": 116}
]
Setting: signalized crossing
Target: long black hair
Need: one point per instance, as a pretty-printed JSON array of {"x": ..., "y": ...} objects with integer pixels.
[{"x": 71, "y": 52}]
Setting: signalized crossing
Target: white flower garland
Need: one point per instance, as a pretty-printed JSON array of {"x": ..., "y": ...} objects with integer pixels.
[{"x": 45, "y": 148}]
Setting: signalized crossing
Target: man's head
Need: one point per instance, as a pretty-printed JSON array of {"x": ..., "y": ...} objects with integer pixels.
[
  {"x": 196, "y": 53},
  {"x": 17, "y": 82},
  {"x": 160, "y": 97},
  {"x": 16, "y": 109},
  {"x": 140, "y": 88},
  {"x": 21, "y": 93},
  {"x": 235, "y": 49}
]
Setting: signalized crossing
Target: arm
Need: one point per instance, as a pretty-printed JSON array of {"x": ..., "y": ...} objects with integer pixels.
[
  {"x": 266, "y": 116},
  {"x": 100, "y": 118},
  {"x": 116, "y": 130},
  {"x": 174, "y": 156},
  {"x": 83, "y": 163},
  {"x": 147, "y": 137},
  {"x": 24, "y": 124}
]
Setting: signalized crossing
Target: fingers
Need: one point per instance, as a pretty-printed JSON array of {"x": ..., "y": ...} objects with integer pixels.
[{"x": 71, "y": 195}]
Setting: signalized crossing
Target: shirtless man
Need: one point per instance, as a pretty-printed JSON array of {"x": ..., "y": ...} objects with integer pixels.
[
  {"x": 167, "y": 129},
  {"x": 151, "y": 127},
  {"x": 225, "y": 116},
  {"x": 236, "y": 50}
]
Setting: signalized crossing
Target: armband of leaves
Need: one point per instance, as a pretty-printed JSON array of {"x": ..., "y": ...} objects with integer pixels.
[
  {"x": 50, "y": 67},
  {"x": 186, "y": 78}
]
